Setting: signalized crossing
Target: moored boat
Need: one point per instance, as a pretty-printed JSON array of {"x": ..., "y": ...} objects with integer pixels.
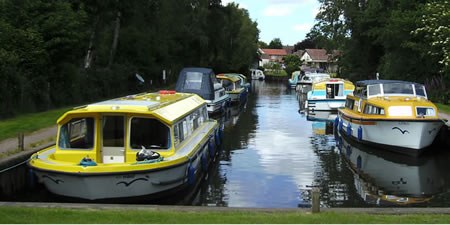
[
  {"x": 233, "y": 88},
  {"x": 257, "y": 74},
  {"x": 396, "y": 115},
  {"x": 328, "y": 94},
  {"x": 292, "y": 82},
  {"x": 139, "y": 145},
  {"x": 305, "y": 83},
  {"x": 203, "y": 82},
  {"x": 241, "y": 77}
]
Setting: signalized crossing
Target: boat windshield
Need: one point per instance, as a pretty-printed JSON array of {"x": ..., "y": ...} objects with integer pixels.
[
  {"x": 193, "y": 81},
  {"x": 78, "y": 134},
  {"x": 398, "y": 88},
  {"x": 150, "y": 133},
  {"x": 420, "y": 90}
]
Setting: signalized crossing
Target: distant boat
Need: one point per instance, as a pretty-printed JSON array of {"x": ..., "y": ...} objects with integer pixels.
[
  {"x": 136, "y": 146},
  {"x": 233, "y": 88},
  {"x": 257, "y": 74},
  {"x": 395, "y": 115},
  {"x": 305, "y": 83},
  {"x": 241, "y": 77},
  {"x": 328, "y": 94},
  {"x": 203, "y": 82},
  {"x": 294, "y": 79}
]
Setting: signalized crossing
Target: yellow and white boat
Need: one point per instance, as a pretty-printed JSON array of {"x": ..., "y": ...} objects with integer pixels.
[
  {"x": 139, "y": 145},
  {"x": 328, "y": 94},
  {"x": 233, "y": 87},
  {"x": 393, "y": 114}
]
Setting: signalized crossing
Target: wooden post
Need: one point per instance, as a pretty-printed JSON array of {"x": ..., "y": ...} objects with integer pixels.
[
  {"x": 315, "y": 200},
  {"x": 21, "y": 141}
]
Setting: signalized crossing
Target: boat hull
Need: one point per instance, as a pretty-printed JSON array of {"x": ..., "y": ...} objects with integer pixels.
[
  {"x": 325, "y": 104},
  {"x": 218, "y": 105},
  {"x": 405, "y": 136}
]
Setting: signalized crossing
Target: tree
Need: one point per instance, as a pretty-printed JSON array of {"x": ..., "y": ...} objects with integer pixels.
[
  {"x": 292, "y": 63},
  {"x": 275, "y": 44},
  {"x": 263, "y": 44},
  {"x": 306, "y": 43}
]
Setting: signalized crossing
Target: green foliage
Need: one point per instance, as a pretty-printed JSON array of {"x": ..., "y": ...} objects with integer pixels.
[
  {"x": 263, "y": 44},
  {"x": 292, "y": 63},
  {"x": 54, "y": 53},
  {"x": 400, "y": 39},
  {"x": 275, "y": 44}
]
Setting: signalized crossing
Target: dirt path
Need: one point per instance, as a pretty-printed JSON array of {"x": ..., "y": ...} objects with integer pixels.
[{"x": 11, "y": 144}]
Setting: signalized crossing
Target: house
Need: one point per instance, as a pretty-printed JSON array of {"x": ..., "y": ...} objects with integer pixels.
[
  {"x": 273, "y": 55},
  {"x": 319, "y": 58}
]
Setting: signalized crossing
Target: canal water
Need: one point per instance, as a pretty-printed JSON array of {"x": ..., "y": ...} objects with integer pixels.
[{"x": 275, "y": 152}]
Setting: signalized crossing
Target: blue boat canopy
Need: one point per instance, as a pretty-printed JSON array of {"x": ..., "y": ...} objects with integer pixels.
[
  {"x": 372, "y": 82},
  {"x": 197, "y": 80}
]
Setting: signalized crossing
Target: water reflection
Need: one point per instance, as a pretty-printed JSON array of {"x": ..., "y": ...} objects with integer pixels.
[{"x": 382, "y": 178}]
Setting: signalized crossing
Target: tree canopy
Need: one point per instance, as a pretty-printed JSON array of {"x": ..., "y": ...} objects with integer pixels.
[
  {"x": 275, "y": 44},
  {"x": 60, "y": 52},
  {"x": 399, "y": 39}
]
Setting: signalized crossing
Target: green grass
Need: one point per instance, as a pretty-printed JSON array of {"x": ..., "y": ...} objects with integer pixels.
[
  {"x": 28, "y": 123},
  {"x": 280, "y": 73},
  {"x": 443, "y": 108},
  {"x": 91, "y": 216}
]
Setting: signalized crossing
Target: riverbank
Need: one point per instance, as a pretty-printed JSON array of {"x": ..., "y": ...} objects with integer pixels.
[{"x": 118, "y": 214}]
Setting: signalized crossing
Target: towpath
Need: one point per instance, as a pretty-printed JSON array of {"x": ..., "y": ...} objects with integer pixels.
[{"x": 11, "y": 144}]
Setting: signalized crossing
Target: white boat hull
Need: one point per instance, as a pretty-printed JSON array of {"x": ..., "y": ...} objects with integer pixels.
[
  {"x": 325, "y": 104},
  {"x": 411, "y": 135}
]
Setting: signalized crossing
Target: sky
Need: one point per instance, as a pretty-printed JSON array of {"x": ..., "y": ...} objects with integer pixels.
[{"x": 289, "y": 20}]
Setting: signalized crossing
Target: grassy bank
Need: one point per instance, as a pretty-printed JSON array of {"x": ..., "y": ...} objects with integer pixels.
[
  {"x": 28, "y": 123},
  {"x": 58, "y": 216},
  {"x": 280, "y": 73},
  {"x": 443, "y": 108}
]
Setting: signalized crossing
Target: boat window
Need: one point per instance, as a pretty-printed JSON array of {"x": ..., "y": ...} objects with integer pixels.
[
  {"x": 420, "y": 90},
  {"x": 306, "y": 78},
  {"x": 113, "y": 131},
  {"x": 227, "y": 84},
  {"x": 150, "y": 133},
  {"x": 193, "y": 80},
  {"x": 373, "y": 110},
  {"x": 349, "y": 103},
  {"x": 425, "y": 111},
  {"x": 374, "y": 89},
  {"x": 361, "y": 91},
  {"x": 78, "y": 133},
  {"x": 176, "y": 134},
  {"x": 398, "y": 88}
]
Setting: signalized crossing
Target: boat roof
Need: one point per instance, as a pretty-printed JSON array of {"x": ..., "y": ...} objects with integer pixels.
[
  {"x": 168, "y": 106},
  {"x": 205, "y": 87},
  {"x": 333, "y": 80},
  {"x": 372, "y": 82},
  {"x": 317, "y": 74},
  {"x": 232, "y": 78}
]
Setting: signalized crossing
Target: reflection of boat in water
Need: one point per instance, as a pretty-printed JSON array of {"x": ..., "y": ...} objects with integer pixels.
[
  {"x": 327, "y": 116},
  {"x": 390, "y": 179},
  {"x": 130, "y": 147}
]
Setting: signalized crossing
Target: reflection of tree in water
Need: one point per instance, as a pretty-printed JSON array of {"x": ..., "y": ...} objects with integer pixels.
[
  {"x": 331, "y": 176},
  {"x": 235, "y": 137}
]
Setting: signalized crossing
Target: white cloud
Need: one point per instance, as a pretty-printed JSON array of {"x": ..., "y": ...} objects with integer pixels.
[
  {"x": 278, "y": 10},
  {"x": 305, "y": 27}
]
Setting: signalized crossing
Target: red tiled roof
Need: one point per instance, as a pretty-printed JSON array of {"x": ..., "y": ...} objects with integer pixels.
[
  {"x": 317, "y": 54},
  {"x": 268, "y": 51}
]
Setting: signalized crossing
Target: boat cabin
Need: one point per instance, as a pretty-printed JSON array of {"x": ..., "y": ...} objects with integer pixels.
[{"x": 114, "y": 131}]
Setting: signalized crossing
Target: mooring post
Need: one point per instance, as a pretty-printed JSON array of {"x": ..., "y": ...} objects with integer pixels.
[
  {"x": 21, "y": 146},
  {"x": 315, "y": 200}
]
